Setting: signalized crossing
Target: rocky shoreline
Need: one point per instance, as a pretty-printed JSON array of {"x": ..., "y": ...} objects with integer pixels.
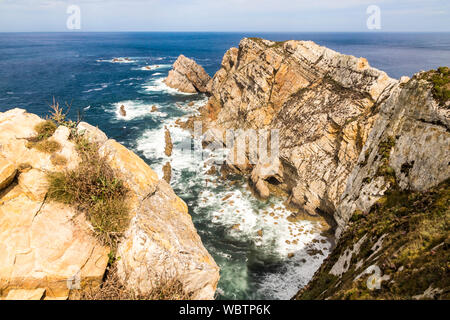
[
  {"x": 349, "y": 137},
  {"x": 367, "y": 152}
]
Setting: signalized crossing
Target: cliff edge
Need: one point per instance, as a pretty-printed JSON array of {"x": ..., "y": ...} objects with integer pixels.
[{"x": 50, "y": 248}]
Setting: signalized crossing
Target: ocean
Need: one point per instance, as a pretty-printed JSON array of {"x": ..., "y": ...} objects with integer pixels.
[{"x": 252, "y": 241}]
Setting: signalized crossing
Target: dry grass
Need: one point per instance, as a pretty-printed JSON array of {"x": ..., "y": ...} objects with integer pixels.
[
  {"x": 94, "y": 189},
  {"x": 112, "y": 289},
  {"x": 48, "y": 146},
  {"x": 58, "y": 160}
]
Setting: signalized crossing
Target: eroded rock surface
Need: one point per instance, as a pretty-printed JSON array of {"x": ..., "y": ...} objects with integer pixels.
[
  {"x": 187, "y": 76},
  {"x": 322, "y": 103}
]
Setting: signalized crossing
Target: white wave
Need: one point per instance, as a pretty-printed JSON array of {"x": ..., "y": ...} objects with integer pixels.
[
  {"x": 87, "y": 108},
  {"x": 103, "y": 86},
  {"x": 157, "y": 85},
  {"x": 154, "y": 67},
  {"x": 245, "y": 218},
  {"x": 135, "y": 109},
  {"x": 117, "y": 60}
]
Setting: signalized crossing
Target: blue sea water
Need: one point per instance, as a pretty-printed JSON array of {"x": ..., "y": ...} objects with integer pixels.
[{"x": 78, "y": 69}]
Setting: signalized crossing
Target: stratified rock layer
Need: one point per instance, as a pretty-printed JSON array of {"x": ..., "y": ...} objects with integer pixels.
[
  {"x": 322, "y": 103},
  {"x": 187, "y": 76}
]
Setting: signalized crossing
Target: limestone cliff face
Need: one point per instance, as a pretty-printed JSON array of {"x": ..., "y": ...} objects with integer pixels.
[
  {"x": 408, "y": 145},
  {"x": 322, "y": 103},
  {"x": 187, "y": 76},
  {"x": 45, "y": 245}
]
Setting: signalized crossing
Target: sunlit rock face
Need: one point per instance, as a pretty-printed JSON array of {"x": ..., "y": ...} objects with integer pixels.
[{"x": 45, "y": 245}]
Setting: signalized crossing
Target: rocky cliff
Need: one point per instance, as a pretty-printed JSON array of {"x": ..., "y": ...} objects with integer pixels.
[
  {"x": 393, "y": 217},
  {"x": 49, "y": 248},
  {"x": 187, "y": 76},
  {"x": 323, "y": 103},
  {"x": 369, "y": 151}
]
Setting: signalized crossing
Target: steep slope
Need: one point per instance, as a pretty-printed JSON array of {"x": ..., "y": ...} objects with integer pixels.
[{"x": 394, "y": 217}]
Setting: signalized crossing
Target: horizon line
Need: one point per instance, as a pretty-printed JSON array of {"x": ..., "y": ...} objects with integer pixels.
[{"x": 218, "y": 31}]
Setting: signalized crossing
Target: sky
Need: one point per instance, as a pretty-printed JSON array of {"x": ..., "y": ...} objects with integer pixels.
[{"x": 224, "y": 15}]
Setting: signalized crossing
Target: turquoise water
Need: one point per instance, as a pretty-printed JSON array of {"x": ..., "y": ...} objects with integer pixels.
[{"x": 79, "y": 69}]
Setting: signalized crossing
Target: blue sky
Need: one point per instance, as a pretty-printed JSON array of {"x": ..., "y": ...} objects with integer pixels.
[{"x": 225, "y": 15}]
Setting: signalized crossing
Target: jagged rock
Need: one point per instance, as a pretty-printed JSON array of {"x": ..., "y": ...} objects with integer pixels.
[
  {"x": 167, "y": 171},
  {"x": 263, "y": 190},
  {"x": 93, "y": 134},
  {"x": 168, "y": 140},
  {"x": 187, "y": 76},
  {"x": 161, "y": 241},
  {"x": 44, "y": 246},
  {"x": 320, "y": 101}
]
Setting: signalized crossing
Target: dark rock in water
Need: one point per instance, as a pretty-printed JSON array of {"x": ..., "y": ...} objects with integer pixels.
[
  {"x": 123, "y": 113},
  {"x": 169, "y": 144},
  {"x": 167, "y": 170},
  {"x": 154, "y": 108}
]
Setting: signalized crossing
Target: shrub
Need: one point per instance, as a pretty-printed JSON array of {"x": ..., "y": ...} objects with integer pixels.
[
  {"x": 94, "y": 189},
  {"x": 45, "y": 130}
]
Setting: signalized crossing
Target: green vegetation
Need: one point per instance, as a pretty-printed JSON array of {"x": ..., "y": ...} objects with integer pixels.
[
  {"x": 41, "y": 141},
  {"x": 92, "y": 187},
  {"x": 384, "y": 169},
  {"x": 414, "y": 253},
  {"x": 440, "y": 79}
]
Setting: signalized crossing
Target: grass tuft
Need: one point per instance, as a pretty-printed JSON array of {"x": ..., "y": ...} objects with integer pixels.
[
  {"x": 47, "y": 146},
  {"x": 94, "y": 189},
  {"x": 58, "y": 160}
]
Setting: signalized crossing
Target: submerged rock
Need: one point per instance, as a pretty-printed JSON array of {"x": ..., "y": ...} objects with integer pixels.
[{"x": 187, "y": 76}]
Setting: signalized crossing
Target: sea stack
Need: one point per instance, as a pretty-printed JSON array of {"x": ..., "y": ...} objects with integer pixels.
[{"x": 187, "y": 76}]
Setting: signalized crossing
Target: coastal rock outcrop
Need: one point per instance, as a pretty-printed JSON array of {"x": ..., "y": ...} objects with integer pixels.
[
  {"x": 321, "y": 102},
  {"x": 187, "y": 76},
  {"x": 49, "y": 249},
  {"x": 369, "y": 151},
  {"x": 45, "y": 248},
  {"x": 407, "y": 147}
]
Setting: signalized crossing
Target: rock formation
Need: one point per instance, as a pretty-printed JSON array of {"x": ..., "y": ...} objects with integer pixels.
[
  {"x": 46, "y": 247},
  {"x": 367, "y": 150},
  {"x": 321, "y": 102},
  {"x": 187, "y": 76}
]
